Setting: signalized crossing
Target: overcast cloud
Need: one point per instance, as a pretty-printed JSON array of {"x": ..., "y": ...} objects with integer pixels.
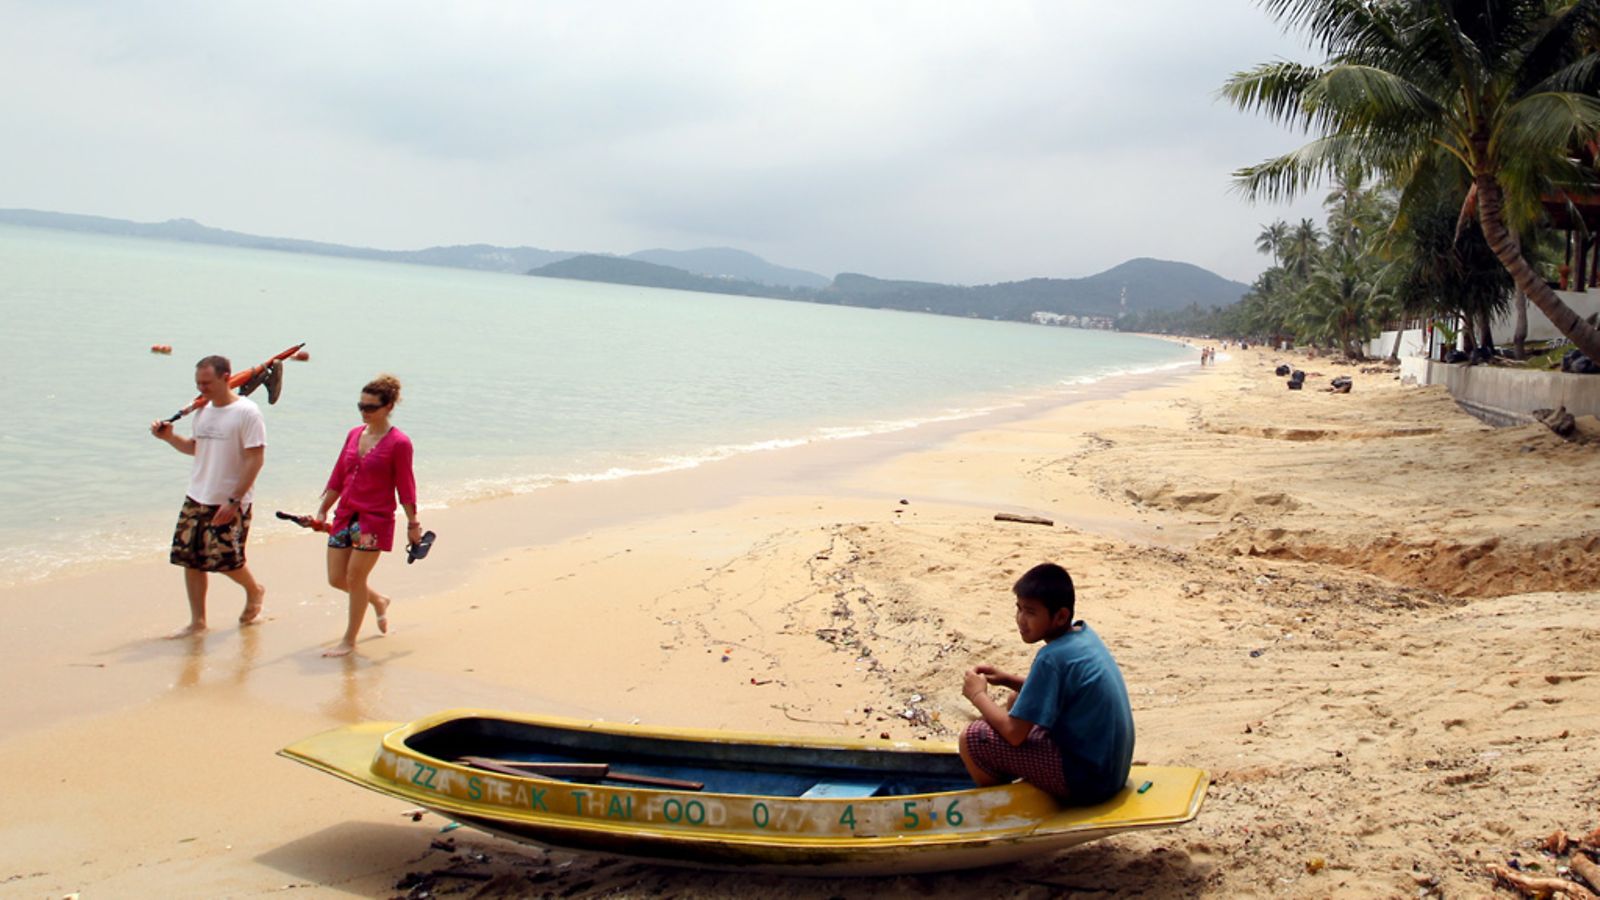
[{"x": 958, "y": 142}]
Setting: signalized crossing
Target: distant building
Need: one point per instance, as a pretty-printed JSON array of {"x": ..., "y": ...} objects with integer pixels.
[{"x": 1102, "y": 323}]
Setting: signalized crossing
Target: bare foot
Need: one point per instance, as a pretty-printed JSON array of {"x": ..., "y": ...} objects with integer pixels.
[
  {"x": 342, "y": 649},
  {"x": 380, "y": 604},
  {"x": 252, "y": 607},
  {"x": 191, "y": 630}
]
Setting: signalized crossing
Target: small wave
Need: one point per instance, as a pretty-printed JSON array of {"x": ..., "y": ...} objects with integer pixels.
[
  {"x": 1094, "y": 378},
  {"x": 480, "y": 488}
]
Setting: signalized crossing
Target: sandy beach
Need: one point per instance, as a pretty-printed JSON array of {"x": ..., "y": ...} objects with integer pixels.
[{"x": 1369, "y": 616}]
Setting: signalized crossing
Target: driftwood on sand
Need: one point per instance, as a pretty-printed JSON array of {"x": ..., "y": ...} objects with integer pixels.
[
  {"x": 1026, "y": 520},
  {"x": 1540, "y": 885}
]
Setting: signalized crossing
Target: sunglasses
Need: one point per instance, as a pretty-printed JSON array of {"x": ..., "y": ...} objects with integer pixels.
[{"x": 370, "y": 407}]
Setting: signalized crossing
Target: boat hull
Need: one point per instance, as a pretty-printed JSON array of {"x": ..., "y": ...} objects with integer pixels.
[{"x": 727, "y": 827}]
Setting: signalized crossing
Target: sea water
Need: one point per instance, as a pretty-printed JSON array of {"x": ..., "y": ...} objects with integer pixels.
[{"x": 511, "y": 383}]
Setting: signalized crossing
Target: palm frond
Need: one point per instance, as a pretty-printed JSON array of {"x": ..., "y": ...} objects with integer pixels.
[
  {"x": 1369, "y": 98},
  {"x": 1545, "y": 126},
  {"x": 1275, "y": 90},
  {"x": 1465, "y": 58},
  {"x": 1567, "y": 36},
  {"x": 1292, "y": 174},
  {"x": 1335, "y": 25},
  {"x": 1582, "y": 76}
]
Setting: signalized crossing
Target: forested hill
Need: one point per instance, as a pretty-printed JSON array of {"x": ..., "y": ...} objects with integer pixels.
[
  {"x": 1149, "y": 285},
  {"x": 463, "y": 256},
  {"x": 621, "y": 270},
  {"x": 726, "y": 262}
]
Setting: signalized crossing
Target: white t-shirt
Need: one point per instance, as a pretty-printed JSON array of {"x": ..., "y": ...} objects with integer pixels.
[{"x": 221, "y": 435}]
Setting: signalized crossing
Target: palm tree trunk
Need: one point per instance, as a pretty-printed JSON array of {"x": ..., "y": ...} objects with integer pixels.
[
  {"x": 1400, "y": 332},
  {"x": 1519, "y": 335},
  {"x": 1583, "y": 335}
]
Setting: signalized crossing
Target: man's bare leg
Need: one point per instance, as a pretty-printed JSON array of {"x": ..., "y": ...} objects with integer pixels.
[
  {"x": 254, "y": 594},
  {"x": 194, "y": 584}
]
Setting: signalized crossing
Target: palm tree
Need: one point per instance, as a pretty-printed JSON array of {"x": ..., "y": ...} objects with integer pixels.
[
  {"x": 1444, "y": 266},
  {"x": 1300, "y": 252},
  {"x": 1503, "y": 87},
  {"x": 1271, "y": 239}
]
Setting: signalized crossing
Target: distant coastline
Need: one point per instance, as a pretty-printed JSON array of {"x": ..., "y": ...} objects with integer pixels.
[{"x": 1134, "y": 288}]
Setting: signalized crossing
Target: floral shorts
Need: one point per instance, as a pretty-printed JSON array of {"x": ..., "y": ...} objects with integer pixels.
[
  {"x": 198, "y": 544},
  {"x": 353, "y": 537},
  {"x": 1036, "y": 761}
]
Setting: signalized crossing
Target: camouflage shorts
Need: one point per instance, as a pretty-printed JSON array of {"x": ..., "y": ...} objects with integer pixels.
[{"x": 197, "y": 544}]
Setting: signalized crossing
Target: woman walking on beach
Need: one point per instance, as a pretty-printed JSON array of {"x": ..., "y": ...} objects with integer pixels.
[{"x": 374, "y": 467}]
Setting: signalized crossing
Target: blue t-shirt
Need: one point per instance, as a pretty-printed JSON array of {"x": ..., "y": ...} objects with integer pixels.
[{"x": 1075, "y": 691}]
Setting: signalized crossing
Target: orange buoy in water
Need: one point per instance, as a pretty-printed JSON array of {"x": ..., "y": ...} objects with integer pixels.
[
  {"x": 303, "y": 355},
  {"x": 160, "y": 348}
]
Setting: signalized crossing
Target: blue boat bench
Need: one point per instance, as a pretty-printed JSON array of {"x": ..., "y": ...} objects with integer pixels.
[{"x": 839, "y": 790}]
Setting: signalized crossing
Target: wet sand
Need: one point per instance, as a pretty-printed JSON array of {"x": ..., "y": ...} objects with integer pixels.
[{"x": 1371, "y": 617}]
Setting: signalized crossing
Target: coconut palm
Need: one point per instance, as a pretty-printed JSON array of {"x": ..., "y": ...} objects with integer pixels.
[
  {"x": 1272, "y": 238},
  {"x": 1301, "y": 250},
  {"x": 1504, "y": 88}
]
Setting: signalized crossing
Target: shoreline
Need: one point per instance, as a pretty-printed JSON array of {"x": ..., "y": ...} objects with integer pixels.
[
  {"x": 794, "y": 592},
  {"x": 749, "y": 463},
  {"x": 474, "y": 537}
]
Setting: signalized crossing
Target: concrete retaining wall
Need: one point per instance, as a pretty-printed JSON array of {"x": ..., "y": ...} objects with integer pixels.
[{"x": 1507, "y": 396}]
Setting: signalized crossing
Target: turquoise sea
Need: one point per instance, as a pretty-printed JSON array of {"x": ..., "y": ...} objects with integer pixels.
[{"x": 511, "y": 383}]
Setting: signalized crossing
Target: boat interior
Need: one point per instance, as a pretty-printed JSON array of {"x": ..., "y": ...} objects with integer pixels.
[{"x": 629, "y": 760}]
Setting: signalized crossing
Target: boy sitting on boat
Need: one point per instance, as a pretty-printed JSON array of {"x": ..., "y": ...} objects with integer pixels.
[{"x": 1069, "y": 730}]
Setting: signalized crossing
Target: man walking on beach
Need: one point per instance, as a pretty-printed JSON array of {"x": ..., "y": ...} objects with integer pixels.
[{"x": 229, "y": 447}]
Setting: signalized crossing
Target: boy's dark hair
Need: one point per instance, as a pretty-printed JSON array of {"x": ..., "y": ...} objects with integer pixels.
[
  {"x": 218, "y": 364},
  {"x": 1049, "y": 584}
]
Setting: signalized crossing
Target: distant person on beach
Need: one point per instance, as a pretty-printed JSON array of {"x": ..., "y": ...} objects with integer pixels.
[
  {"x": 1069, "y": 730},
  {"x": 229, "y": 447},
  {"x": 373, "y": 468}
]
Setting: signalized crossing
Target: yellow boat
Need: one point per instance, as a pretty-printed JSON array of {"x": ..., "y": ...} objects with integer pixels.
[{"x": 714, "y": 798}]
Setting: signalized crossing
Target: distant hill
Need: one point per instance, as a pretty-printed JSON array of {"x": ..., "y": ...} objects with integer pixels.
[
  {"x": 726, "y": 262},
  {"x": 1147, "y": 285},
  {"x": 622, "y": 270},
  {"x": 470, "y": 256},
  {"x": 1150, "y": 284}
]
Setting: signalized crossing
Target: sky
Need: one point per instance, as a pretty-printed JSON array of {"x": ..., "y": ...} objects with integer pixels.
[{"x": 943, "y": 141}]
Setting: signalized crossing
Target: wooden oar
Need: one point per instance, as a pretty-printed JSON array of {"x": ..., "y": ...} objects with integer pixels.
[
  {"x": 553, "y": 769},
  {"x": 589, "y": 771}
]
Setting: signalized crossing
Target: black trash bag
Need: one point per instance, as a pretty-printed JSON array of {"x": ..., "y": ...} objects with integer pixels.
[
  {"x": 1297, "y": 376},
  {"x": 1455, "y": 356},
  {"x": 1575, "y": 362},
  {"x": 1281, "y": 371},
  {"x": 1294, "y": 385},
  {"x": 1341, "y": 385}
]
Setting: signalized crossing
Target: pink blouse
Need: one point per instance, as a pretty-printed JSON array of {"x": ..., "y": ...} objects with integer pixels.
[{"x": 368, "y": 484}]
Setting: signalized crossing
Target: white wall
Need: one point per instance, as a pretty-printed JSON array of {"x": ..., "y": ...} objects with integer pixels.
[
  {"x": 1584, "y": 303},
  {"x": 1410, "y": 345}
]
